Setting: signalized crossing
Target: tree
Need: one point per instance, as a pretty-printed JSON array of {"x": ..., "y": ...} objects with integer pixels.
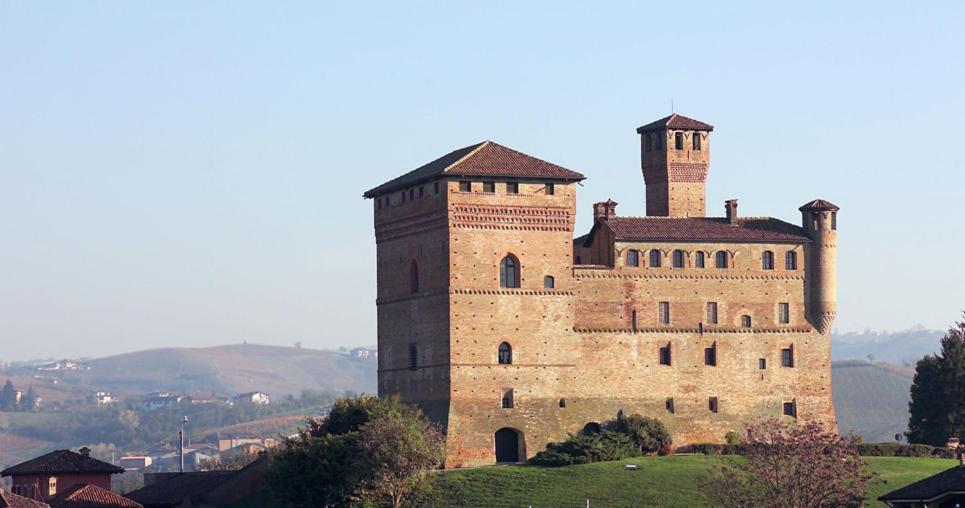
[
  {"x": 937, "y": 404},
  {"x": 649, "y": 434},
  {"x": 790, "y": 466},
  {"x": 8, "y": 397},
  {"x": 366, "y": 449},
  {"x": 29, "y": 401}
]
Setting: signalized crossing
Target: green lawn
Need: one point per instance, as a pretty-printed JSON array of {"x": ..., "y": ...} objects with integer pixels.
[{"x": 658, "y": 481}]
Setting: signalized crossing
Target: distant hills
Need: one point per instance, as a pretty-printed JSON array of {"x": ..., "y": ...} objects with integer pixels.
[
  {"x": 871, "y": 400},
  {"x": 902, "y": 348}
]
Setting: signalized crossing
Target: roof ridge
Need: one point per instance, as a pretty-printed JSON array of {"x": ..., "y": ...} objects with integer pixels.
[{"x": 472, "y": 152}]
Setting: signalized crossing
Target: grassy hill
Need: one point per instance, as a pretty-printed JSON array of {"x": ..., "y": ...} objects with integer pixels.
[
  {"x": 871, "y": 399},
  {"x": 227, "y": 370},
  {"x": 659, "y": 481}
]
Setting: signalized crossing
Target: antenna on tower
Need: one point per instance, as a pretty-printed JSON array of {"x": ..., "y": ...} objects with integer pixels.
[{"x": 671, "y": 107}]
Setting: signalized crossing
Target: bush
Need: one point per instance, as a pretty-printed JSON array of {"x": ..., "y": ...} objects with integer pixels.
[
  {"x": 649, "y": 434},
  {"x": 732, "y": 438},
  {"x": 586, "y": 448},
  {"x": 901, "y": 450}
]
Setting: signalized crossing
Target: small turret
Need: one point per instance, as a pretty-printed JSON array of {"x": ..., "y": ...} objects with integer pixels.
[{"x": 820, "y": 222}]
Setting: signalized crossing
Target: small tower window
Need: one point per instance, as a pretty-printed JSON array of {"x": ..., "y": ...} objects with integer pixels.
[
  {"x": 746, "y": 321},
  {"x": 787, "y": 357},
  {"x": 512, "y": 188},
  {"x": 790, "y": 260},
  {"x": 669, "y": 405},
  {"x": 562, "y": 403},
  {"x": 550, "y": 189},
  {"x": 767, "y": 260},
  {"x": 649, "y": 142},
  {"x": 699, "y": 259},
  {"x": 712, "y": 313},
  {"x": 678, "y": 140},
  {"x": 696, "y": 137},
  {"x": 411, "y": 194},
  {"x": 422, "y": 191},
  {"x": 790, "y": 410},
  {"x": 633, "y": 258},
  {"x": 665, "y": 355},
  {"x": 509, "y": 272},
  {"x": 507, "y": 401},
  {"x": 783, "y": 313},
  {"x": 678, "y": 259},
  {"x": 414, "y": 277},
  {"x": 710, "y": 355},
  {"x": 465, "y": 186},
  {"x": 413, "y": 356},
  {"x": 834, "y": 221},
  {"x": 762, "y": 363},
  {"x": 378, "y": 204},
  {"x": 489, "y": 187},
  {"x": 549, "y": 282},
  {"x": 655, "y": 258},
  {"x": 720, "y": 259},
  {"x": 505, "y": 354},
  {"x": 658, "y": 137},
  {"x": 403, "y": 196},
  {"x": 712, "y": 404},
  {"x": 664, "y": 312}
]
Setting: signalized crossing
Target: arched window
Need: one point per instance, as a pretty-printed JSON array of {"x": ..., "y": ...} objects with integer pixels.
[
  {"x": 720, "y": 258},
  {"x": 507, "y": 401},
  {"x": 509, "y": 272},
  {"x": 699, "y": 259},
  {"x": 505, "y": 354},
  {"x": 746, "y": 321},
  {"x": 678, "y": 259},
  {"x": 767, "y": 260},
  {"x": 562, "y": 402},
  {"x": 655, "y": 258},
  {"x": 790, "y": 260},
  {"x": 414, "y": 277},
  {"x": 633, "y": 257},
  {"x": 549, "y": 282}
]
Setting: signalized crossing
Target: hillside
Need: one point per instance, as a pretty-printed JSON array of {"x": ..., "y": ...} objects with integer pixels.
[
  {"x": 904, "y": 347},
  {"x": 227, "y": 370},
  {"x": 871, "y": 399}
]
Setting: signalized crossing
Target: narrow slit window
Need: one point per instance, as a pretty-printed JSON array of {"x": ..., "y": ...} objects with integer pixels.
[
  {"x": 665, "y": 355},
  {"x": 413, "y": 356},
  {"x": 699, "y": 259},
  {"x": 783, "y": 313},
  {"x": 664, "y": 313},
  {"x": 712, "y": 313},
  {"x": 713, "y": 405},
  {"x": 678, "y": 140},
  {"x": 435, "y": 188},
  {"x": 696, "y": 137},
  {"x": 669, "y": 405},
  {"x": 649, "y": 142}
]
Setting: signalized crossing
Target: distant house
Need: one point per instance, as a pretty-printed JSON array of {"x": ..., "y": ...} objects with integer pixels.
[
  {"x": 205, "y": 488},
  {"x": 135, "y": 462},
  {"x": 363, "y": 353},
  {"x": 945, "y": 489},
  {"x": 90, "y": 496},
  {"x": 64, "y": 365},
  {"x": 225, "y": 444},
  {"x": 253, "y": 398},
  {"x": 161, "y": 400},
  {"x": 45, "y": 476},
  {"x": 102, "y": 398},
  {"x": 197, "y": 400},
  {"x": 11, "y": 500}
]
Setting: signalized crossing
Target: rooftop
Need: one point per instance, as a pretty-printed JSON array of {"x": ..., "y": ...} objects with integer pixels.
[
  {"x": 676, "y": 122},
  {"x": 11, "y": 500},
  {"x": 173, "y": 489},
  {"x": 950, "y": 480},
  {"x": 820, "y": 205},
  {"x": 481, "y": 160},
  {"x": 701, "y": 229},
  {"x": 85, "y": 495},
  {"x": 62, "y": 462}
]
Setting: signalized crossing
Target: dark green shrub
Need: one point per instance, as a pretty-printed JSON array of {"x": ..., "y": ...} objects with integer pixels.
[
  {"x": 732, "y": 438},
  {"x": 649, "y": 434},
  {"x": 586, "y": 448}
]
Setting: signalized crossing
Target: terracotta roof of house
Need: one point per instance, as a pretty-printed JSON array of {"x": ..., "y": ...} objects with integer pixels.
[
  {"x": 171, "y": 491},
  {"x": 62, "y": 462},
  {"x": 820, "y": 205},
  {"x": 677, "y": 122},
  {"x": 701, "y": 229},
  {"x": 11, "y": 500},
  {"x": 85, "y": 495},
  {"x": 482, "y": 159},
  {"x": 950, "y": 480}
]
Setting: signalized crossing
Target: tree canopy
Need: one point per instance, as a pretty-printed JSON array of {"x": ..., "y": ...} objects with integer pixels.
[{"x": 937, "y": 404}]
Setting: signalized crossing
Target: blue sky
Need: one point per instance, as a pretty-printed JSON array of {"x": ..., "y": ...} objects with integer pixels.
[{"x": 190, "y": 173}]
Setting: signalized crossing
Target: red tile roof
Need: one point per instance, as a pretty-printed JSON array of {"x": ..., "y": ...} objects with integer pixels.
[
  {"x": 86, "y": 495},
  {"x": 700, "y": 229},
  {"x": 11, "y": 500},
  {"x": 676, "y": 122},
  {"x": 62, "y": 462},
  {"x": 482, "y": 160},
  {"x": 820, "y": 205}
]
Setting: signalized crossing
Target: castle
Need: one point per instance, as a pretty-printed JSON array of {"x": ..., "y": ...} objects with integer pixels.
[{"x": 511, "y": 334}]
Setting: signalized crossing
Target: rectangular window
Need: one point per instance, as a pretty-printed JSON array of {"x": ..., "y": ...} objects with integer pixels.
[
  {"x": 762, "y": 363},
  {"x": 507, "y": 401},
  {"x": 787, "y": 357},
  {"x": 664, "y": 313},
  {"x": 720, "y": 257},
  {"x": 790, "y": 260},
  {"x": 783, "y": 313},
  {"x": 699, "y": 259},
  {"x": 489, "y": 187},
  {"x": 413, "y": 356},
  {"x": 379, "y": 204},
  {"x": 710, "y": 355},
  {"x": 712, "y": 404},
  {"x": 712, "y": 313},
  {"x": 633, "y": 321},
  {"x": 696, "y": 140},
  {"x": 665, "y": 355},
  {"x": 550, "y": 189},
  {"x": 834, "y": 221},
  {"x": 789, "y": 409},
  {"x": 465, "y": 186},
  {"x": 411, "y": 194},
  {"x": 52, "y": 486},
  {"x": 512, "y": 188},
  {"x": 669, "y": 405},
  {"x": 678, "y": 140}
]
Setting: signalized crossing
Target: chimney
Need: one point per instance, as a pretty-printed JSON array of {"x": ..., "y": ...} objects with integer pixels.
[
  {"x": 604, "y": 210},
  {"x": 85, "y": 451},
  {"x": 731, "y": 206}
]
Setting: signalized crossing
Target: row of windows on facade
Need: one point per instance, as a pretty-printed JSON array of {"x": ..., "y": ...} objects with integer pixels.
[
  {"x": 464, "y": 186},
  {"x": 713, "y": 404},
  {"x": 663, "y": 315},
  {"x": 665, "y": 356},
  {"x": 489, "y": 187},
  {"x": 407, "y": 195},
  {"x": 721, "y": 259},
  {"x": 655, "y": 141},
  {"x": 509, "y": 275}
]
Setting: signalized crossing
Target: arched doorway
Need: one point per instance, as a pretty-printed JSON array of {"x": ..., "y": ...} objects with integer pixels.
[{"x": 509, "y": 445}]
